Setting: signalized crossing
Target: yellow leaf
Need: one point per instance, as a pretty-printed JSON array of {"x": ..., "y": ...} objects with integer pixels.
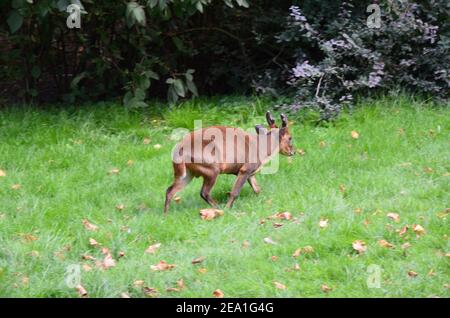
[
  {"x": 218, "y": 293},
  {"x": 354, "y": 134}
]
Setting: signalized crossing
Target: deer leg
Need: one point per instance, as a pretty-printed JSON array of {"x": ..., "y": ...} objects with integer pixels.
[
  {"x": 254, "y": 184},
  {"x": 208, "y": 183},
  {"x": 238, "y": 184},
  {"x": 178, "y": 185}
]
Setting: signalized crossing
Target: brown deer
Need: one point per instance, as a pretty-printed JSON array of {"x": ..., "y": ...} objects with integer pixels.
[{"x": 216, "y": 150}]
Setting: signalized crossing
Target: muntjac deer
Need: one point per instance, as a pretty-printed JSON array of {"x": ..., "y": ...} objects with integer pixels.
[{"x": 216, "y": 150}]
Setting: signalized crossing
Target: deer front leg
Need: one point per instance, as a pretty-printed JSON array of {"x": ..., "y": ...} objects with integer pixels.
[
  {"x": 254, "y": 184},
  {"x": 208, "y": 183},
  {"x": 238, "y": 184}
]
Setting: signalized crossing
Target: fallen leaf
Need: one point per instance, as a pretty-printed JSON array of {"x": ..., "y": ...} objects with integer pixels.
[
  {"x": 297, "y": 252},
  {"x": 86, "y": 267},
  {"x": 198, "y": 260},
  {"x": 431, "y": 273},
  {"x": 120, "y": 207},
  {"x": 277, "y": 225},
  {"x": 218, "y": 293},
  {"x": 108, "y": 262},
  {"x": 209, "y": 214},
  {"x": 81, "y": 291},
  {"x": 418, "y": 229},
  {"x": 113, "y": 171},
  {"x": 274, "y": 258},
  {"x": 157, "y": 146},
  {"x": 124, "y": 295},
  {"x": 281, "y": 216},
  {"x": 87, "y": 257},
  {"x": 354, "y": 134},
  {"x": 406, "y": 245},
  {"x": 342, "y": 188},
  {"x": 146, "y": 141},
  {"x": 28, "y": 237},
  {"x": 296, "y": 267},
  {"x": 301, "y": 151},
  {"x": 152, "y": 248},
  {"x": 89, "y": 226},
  {"x": 2, "y": 173},
  {"x": 16, "y": 186},
  {"x": 268, "y": 240},
  {"x": 121, "y": 254},
  {"x": 105, "y": 250},
  {"x": 412, "y": 274},
  {"x": 325, "y": 288},
  {"x": 322, "y": 144},
  {"x": 138, "y": 283},
  {"x": 307, "y": 249},
  {"x": 130, "y": 162},
  {"x": 202, "y": 270},
  {"x": 427, "y": 170},
  {"x": 394, "y": 216},
  {"x": 359, "y": 246},
  {"x": 279, "y": 285},
  {"x": 150, "y": 291},
  {"x": 246, "y": 244},
  {"x": 386, "y": 244},
  {"x": 180, "y": 284},
  {"x": 403, "y": 230},
  {"x": 177, "y": 199},
  {"x": 357, "y": 210},
  {"x": 93, "y": 242},
  {"x": 162, "y": 266},
  {"x": 323, "y": 223}
]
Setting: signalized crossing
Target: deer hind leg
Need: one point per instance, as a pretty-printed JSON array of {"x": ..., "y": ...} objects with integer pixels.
[
  {"x": 208, "y": 183},
  {"x": 179, "y": 183},
  {"x": 254, "y": 184}
]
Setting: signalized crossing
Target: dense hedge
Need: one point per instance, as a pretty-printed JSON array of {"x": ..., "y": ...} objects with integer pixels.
[{"x": 320, "y": 52}]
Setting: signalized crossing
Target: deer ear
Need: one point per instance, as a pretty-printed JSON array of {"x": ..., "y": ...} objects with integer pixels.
[
  {"x": 260, "y": 129},
  {"x": 270, "y": 120},
  {"x": 284, "y": 120}
]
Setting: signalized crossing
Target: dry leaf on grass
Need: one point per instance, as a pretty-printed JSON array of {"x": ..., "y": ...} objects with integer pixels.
[
  {"x": 2, "y": 173},
  {"x": 108, "y": 262},
  {"x": 93, "y": 242},
  {"x": 16, "y": 186},
  {"x": 386, "y": 244},
  {"x": 202, "y": 270},
  {"x": 177, "y": 199},
  {"x": 89, "y": 226},
  {"x": 152, "y": 248},
  {"x": 81, "y": 291},
  {"x": 394, "y": 216},
  {"x": 403, "y": 230},
  {"x": 218, "y": 293},
  {"x": 198, "y": 260},
  {"x": 359, "y": 246},
  {"x": 406, "y": 245},
  {"x": 120, "y": 207},
  {"x": 209, "y": 214},
  {"x": 279, "y": 285},
  {"x": 323, "y": 223},
  {"x": 325, "y": 288},
  {"x": 418, "y": 229},
  {"x": 157, "y": 146},
  {"x": 281, "y": 216},
  {"x": 268, "y": 240},
  {"x": 150, "y": 291},
  {"x": 113, "y": 171},
  {"x": 162, "y": 266},
  {"x": 412, "y": 274},
  {"x": 138, "y": 283},
  {"x": 246, "y": 244},
  {"x": 124, "y": 295},
  {"x": 354, "y": 134}
]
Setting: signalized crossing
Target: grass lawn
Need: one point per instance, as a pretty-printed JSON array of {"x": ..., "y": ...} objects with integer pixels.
[{"x": 58, "y": 167}]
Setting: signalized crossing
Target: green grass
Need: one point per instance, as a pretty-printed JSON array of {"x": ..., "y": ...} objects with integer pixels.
[{"x": 61, "y": 159}]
